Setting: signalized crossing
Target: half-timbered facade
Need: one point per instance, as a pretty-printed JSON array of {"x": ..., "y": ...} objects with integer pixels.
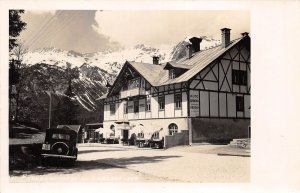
[{"x": 206, "y": 93}]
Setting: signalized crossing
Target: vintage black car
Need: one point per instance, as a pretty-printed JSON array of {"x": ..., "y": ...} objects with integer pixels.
[{"x": 60, "y": 145}]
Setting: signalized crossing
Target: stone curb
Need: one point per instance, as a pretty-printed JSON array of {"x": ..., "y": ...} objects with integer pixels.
[{"x": 231, "y": 154}]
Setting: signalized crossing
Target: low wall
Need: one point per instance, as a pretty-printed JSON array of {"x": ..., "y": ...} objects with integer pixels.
[
  {"x": 181, "y": 138},
  {"x": 218, "y": 130}
]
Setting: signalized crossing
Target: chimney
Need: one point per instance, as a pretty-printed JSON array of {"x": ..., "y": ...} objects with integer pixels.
[
  {"x": 196, "y": 43},
  {"x": 155, "y": 60},
  {"x": 193, "y": 47},
  {"x": 225, "y": 37},
  {"x": 189, "y": 50},
  {"x": 245, "y": 34}
]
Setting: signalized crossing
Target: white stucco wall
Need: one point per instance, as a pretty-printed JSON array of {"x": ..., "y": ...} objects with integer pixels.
[
  {"x": 169, "y": 105},
  {"x": 151, "y": 125},
  {"x": 168, "y": 112}
]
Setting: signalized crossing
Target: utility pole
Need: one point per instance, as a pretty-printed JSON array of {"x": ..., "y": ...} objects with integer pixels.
[{"x": 49, "y": 93}]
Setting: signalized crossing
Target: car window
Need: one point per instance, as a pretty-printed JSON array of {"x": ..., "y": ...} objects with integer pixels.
[
  {"x": 60, "y": 136},
  {"x": 155, "y": 135},
  {"x": 140, "y": 135}
]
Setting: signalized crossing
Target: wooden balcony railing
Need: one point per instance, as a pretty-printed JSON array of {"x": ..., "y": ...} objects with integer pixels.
[{"x": 132, "y": 92}]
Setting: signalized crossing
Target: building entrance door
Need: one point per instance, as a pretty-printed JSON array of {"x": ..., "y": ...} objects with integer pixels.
[{"x": 125, "y": 134}]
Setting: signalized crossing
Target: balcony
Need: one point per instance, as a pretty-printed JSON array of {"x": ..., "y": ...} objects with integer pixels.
[{"x": 132, "y": 92}]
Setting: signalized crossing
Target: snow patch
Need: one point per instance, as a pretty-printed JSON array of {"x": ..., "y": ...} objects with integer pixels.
[{"x": 81, "y": 101}]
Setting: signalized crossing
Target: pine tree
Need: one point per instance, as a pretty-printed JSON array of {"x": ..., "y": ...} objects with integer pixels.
[
  {"x": 65, "y": 113},
  {"x": 16, "y": 25}
]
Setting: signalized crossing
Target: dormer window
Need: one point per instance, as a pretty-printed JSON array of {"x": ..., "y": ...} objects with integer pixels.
[{"x": 171, "y": 74}]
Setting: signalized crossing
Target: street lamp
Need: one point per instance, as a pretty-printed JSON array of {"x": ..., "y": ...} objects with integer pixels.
[{"x": 49, "y": 93}]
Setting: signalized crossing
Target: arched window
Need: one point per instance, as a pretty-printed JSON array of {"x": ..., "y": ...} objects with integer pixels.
[
  {"x": 112, "y": 127},
  {"x": 173, "y": 128}
]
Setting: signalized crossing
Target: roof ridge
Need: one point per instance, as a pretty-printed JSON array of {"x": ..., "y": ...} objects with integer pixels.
[
  {"x": 219, "y": 45},
  {"x": 232, "y": 41},
  {"x": 208, "y": 60}
]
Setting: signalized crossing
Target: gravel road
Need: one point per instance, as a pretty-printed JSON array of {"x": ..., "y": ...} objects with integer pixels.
[{"x": 116, "y": 163}]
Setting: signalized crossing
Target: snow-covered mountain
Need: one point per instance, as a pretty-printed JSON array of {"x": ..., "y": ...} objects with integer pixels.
[
  {"x": 112, "y": 61},
  {"x": 179, "y": 51}
]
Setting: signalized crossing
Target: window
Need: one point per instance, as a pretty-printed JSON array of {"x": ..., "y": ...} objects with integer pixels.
[
  {"x": 60, "y": 136},
  {"x": 239, "y": 77},
  {"x": 125, "y": 107},
  {"x": 112, "y": 127},
  {"x": 136, "y": 106},
  {"x": 239, "y": 103},
  {"x": 112, "y": 108},
  {"x": 161, "y": 102},
  {"x": 171, "y": 74},
  {"x": 148, "y": 103},
  {"x": 134, "y": 83},
  {"x": 173, "y": 128},
  {"x": 178, "y": 101}
]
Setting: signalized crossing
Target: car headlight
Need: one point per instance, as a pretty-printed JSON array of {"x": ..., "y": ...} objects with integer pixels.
[{"x": 46, "y": 146}]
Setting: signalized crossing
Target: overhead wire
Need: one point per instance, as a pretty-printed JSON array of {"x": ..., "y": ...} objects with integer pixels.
[
  {"x": 45, "y": 26},
  {"x": 53, "y": 31},
  {"x": 51, "y": 35},
  {"x": 38, "y": 31},
  {"x": 33, "y": 35}
]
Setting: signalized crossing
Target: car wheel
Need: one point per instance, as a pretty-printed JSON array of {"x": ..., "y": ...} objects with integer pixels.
[
  {"x": 158, "y": 146},
  {"x": 161, "y": 146},
  {"x": 44, "y": 161},
  {"x": 71, "y": 163}
]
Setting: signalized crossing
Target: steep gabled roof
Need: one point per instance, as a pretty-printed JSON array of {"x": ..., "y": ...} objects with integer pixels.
[
  {"x": 157, "y": 75},
  {"x": 151, "y": 72},
  {"x": 200, "y": 60}
]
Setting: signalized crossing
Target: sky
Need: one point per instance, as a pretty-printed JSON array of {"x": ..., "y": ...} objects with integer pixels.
[{"x": 88, "y": 31}]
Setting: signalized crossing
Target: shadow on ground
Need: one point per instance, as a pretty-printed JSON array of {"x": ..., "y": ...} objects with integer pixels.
[
  {"x": 100, "y": 164},
  {"x": 98, "y": 151},
  {"x": 26, "y": 160}
]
